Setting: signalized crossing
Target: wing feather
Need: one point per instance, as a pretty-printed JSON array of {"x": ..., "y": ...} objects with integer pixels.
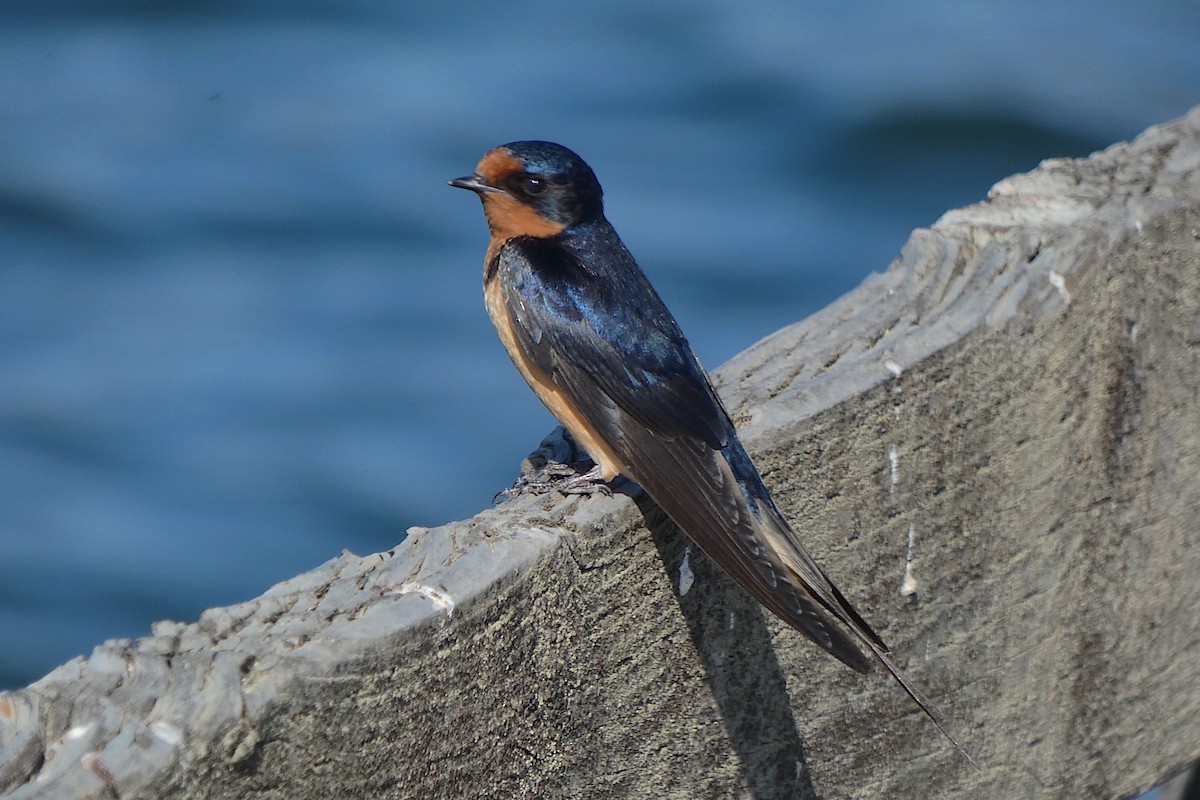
[
  {"x": 631, "y": 374},
  {"x": 571, "y": 320}
]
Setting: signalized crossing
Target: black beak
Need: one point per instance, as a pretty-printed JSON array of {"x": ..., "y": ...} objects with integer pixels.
[{"x": 474, "y": 183}]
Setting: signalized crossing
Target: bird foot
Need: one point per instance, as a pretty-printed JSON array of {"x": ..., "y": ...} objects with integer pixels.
[
  {"x": 589, "y": 483},
  {"x": 553, "y": 476}
]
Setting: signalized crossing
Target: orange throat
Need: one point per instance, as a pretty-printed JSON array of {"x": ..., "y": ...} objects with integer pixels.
[{"x": 508, "y": 219}]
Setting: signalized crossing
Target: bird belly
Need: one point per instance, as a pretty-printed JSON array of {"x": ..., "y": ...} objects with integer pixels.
[{"x": 551, "y": 395}]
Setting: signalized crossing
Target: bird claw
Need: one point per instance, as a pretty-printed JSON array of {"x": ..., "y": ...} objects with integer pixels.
[
  {"x": 589, "y": 483},
  {"x": 554, "y": 476}
]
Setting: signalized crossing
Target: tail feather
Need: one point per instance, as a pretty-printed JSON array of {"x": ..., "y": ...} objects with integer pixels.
[
  {"x": 823, "y": 590},
  {"x": 917, "y": 695},
  {"x": 719, "y": 499}
]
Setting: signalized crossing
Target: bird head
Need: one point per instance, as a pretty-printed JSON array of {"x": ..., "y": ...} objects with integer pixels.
[{"x": 534, "y": 189}]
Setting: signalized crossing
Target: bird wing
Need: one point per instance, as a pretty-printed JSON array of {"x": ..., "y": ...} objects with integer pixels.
[
  {"x": 609, "y": 344},
  {"x": 609, "y": 333}
]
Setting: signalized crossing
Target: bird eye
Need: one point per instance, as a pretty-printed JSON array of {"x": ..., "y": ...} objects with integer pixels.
[{"x": 532, "y": 186}]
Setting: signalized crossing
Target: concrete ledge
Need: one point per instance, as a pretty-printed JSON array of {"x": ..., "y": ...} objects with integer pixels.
[{"x": 1005, "y": 425}]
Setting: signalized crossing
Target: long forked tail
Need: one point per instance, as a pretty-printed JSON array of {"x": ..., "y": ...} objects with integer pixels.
[
  {"x": 718, "y": 498},
  {"x": 775, "y": 529}
]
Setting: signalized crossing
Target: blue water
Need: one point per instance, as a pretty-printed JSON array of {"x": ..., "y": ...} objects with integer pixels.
[{"x": 240, "y": 315}]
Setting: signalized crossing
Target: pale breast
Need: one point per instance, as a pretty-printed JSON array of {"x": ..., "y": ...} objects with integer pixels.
[{"x": 543, "y": 385}]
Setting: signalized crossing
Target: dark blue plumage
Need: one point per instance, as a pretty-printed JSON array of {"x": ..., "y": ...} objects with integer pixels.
[
  {"x": 633, "y": 352},
  {"x": 594, "y": 340}
]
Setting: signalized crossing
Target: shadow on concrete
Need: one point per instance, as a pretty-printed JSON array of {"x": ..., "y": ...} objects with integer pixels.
[{"x": 728, "y": 628}]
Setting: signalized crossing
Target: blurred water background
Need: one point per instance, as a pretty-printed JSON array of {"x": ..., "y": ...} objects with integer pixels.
[{"x": 240, "y": 316}]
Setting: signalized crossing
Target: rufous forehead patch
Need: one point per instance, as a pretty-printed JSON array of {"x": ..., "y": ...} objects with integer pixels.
[{"x": 498, "y": 163}]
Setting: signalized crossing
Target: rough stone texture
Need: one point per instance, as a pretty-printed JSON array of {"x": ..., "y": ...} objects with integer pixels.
[{"x": 1008, "y": 418}]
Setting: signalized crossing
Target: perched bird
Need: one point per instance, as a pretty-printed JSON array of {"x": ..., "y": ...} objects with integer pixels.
[{"x": 597, "y": 345}]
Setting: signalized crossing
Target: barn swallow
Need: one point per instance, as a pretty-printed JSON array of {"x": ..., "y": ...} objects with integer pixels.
[{"x": 591, "y": 336}]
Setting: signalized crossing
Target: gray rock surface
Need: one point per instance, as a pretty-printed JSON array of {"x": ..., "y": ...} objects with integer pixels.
[{"x": 994, "y": 450}]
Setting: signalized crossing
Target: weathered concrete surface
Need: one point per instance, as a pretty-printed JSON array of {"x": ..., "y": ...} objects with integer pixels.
[{"x": 1009, "y": 417}]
